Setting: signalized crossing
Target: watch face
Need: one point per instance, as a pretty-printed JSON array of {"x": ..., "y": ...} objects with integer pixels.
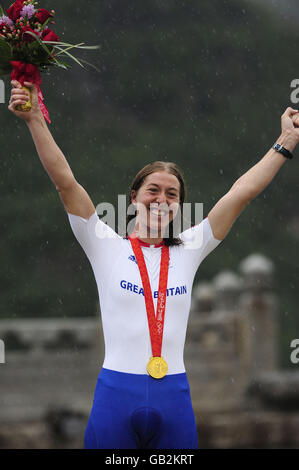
[{"x": 279, "y": 148}]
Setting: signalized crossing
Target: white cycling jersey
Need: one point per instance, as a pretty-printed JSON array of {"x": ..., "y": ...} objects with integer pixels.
[{"x": 124, "y": 317}]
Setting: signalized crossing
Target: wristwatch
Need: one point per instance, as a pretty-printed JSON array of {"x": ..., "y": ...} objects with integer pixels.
[{"x": 279, "y": 148}]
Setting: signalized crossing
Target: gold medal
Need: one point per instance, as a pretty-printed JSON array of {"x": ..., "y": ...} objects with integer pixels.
[{"x": 157, "y": 367}]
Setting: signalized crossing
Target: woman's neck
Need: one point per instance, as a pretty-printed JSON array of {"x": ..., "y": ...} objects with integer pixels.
[{"x": 150, "y": 240}]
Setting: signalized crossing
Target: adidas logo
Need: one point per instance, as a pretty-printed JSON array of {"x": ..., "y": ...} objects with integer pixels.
[{"x": 132, "y": 258}]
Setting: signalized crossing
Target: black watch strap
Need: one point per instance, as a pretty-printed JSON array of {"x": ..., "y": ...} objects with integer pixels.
[{"x": 279, "y": 148}]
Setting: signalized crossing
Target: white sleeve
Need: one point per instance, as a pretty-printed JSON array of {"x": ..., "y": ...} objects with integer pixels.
[
  {"x": 92, "y": 234},
  {"x": 199, "y": 241}
]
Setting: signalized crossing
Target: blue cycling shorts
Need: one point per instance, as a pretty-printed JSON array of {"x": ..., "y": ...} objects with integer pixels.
[{"x": 134, "y": 411}]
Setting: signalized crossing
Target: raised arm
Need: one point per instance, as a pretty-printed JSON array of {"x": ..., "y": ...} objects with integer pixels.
[
  {"x": 74, "y": 197},
  {"x": 254, "y": 181}
]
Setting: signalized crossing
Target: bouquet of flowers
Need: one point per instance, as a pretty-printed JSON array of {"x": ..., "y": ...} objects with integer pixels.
[{"x": 28, "y": 46}]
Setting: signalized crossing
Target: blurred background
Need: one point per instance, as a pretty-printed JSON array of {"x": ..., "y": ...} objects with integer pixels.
[{"x": 202, "y": 84}]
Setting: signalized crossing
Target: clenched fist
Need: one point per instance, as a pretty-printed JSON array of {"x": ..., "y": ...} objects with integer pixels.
[{"x": 19, "y": 96}]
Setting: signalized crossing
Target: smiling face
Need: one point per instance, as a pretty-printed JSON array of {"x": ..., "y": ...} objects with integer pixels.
[{"x": 157, "y": 203}]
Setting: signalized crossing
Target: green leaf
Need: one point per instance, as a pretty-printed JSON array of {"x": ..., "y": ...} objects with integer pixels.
[
  {"x": 4, "y": 64},
  {"x": 37, "y": 53},
  {"x": 91, "y": 65},
  {"x": 33, "y": 45},
  {"x": 60, "y": 63},
  {"x": 66, "y": 49},
  {"x": 5, "y": 50},
  {"x": 69, "y": 54},
  {"x": 64, "y": 65},
  {"x": 77, "y": 46},
  {"x": 1, "y": 11},
  {"x": 56, "y": 45},
  {"x": 43, "y": 46},
  {"x": 4, "y": 59}
]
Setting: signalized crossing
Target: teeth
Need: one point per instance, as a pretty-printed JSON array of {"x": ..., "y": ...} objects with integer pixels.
[{"x": 157, "y": 212}]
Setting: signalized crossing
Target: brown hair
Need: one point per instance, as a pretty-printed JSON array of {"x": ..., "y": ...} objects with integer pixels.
[{"x": 138, "y": 181}]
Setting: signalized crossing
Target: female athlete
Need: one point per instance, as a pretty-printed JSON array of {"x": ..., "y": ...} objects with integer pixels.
[{"x": 142, "y": 397}]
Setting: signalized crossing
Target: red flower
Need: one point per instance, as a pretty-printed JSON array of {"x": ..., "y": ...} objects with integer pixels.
[
  {"x": 14, "y": 10},
  {"x": 28, "y": 37},
  {"x": 49, "y": 35},
  {"x": 42, "y": 15}
]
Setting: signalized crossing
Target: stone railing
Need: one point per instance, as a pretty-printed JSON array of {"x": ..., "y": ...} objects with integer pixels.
[{"x": 232, "y": 334}]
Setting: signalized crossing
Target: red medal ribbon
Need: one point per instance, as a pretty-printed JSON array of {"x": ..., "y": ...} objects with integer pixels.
[{"x": 155, "y": 323}]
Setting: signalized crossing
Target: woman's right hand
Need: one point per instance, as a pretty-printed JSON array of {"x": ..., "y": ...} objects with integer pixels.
[{"x": 20, "y": 96}]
